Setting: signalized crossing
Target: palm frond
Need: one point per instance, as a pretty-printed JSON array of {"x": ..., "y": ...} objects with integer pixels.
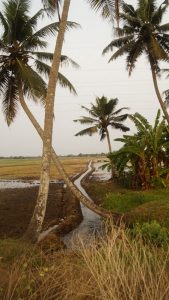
[
  {"x": 10, "y": 100},
  {"x": 108, "y": 9},
  {"x": 88, "y": 131},
  {"x": 164, "y": 27},
  {"x": 65, "y": 60},
  {"x": 15, "y": 13},
  {"x": 123, "y": 50},
  {"x": 46, "y": 56},
  {"x": 4, "y": 78},
  {"x": 90, "y": 111},
  {"x": 41, "y": 67},
  {"x": 110, "y": 106},
  {"x": 119, "y": 110},
  {"x": 72, "y": 25},
  {"x": 120, "y": 42},
  {"x": 129, "y": 9},
  {"x": 159, "y": 13},
  {"x": 33, "y": 43},
  {"x": 46, "y": 30},
  {"x": 120, "y": 118},
  {"x": 164, "y": 47},
  {"x": 102, "y": 134},
  {"x": 65, "y": 83},
  {"x": 51, "y": 7},
  {"x": 120, "y": 126},
  {"x": 85, "y": 120},
  {"x": 135, "y": 51},
  {"x": 32, "y": 22},
  {"x": 3, "y": 22},
  {"x": 33, "y": 84}
]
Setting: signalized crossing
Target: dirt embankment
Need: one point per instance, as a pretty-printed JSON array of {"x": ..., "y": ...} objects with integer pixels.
[{"x": 17, "y": 205}]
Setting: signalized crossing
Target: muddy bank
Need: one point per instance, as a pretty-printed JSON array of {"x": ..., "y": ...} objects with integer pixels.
[{"x": 16, "y": 208}]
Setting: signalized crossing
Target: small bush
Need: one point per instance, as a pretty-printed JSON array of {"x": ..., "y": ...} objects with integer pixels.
[{"x": 151, "y": 232}]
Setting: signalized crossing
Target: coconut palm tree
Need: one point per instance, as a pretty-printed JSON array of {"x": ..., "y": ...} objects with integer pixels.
[
  {"x": 39, "y": 211},
  {"x": 143, "y": 33},
  {"x": 35, "y": 225},
  {"x": 102, "y": 115},
  {"x": 36, "y": 221}
]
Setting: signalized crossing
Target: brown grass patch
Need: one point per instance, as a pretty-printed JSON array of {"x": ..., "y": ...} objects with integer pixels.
[
  {"x": 116, "y": 269},
  {"x": 30, "y": 168}
]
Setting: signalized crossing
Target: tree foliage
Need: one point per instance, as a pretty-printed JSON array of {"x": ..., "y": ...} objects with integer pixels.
[
  {"x": 141, "y": 32},
  {"x": 144, "y": 155},
  {"x": 102, "y": 114},
  {"x": 23, "y": 59}
]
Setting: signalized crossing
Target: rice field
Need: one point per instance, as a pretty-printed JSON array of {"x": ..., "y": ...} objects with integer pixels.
[{"x": 29, "y": 168}]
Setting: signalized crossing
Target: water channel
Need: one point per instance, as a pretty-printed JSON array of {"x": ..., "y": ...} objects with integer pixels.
[{"x": 91, "y": 223}]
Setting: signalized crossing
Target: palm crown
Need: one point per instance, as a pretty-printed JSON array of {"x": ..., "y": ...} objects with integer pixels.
[
  {"x": 102, "y": 114},
  {"x": 142, "y": 32},
  {"x": 21, "y": 62}
]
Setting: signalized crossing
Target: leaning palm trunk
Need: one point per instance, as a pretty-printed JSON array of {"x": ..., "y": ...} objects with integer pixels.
[
  {"x": 162, "y": 104},
  {"x": 36, "y": 222},
  {"x": 108, "y": 140},
  {"x": 100, "y": 211},
  {"x": 110, "y": 150}
]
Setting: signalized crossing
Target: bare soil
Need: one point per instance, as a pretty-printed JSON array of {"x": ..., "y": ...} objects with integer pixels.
[{"x": 17, "y": 205}]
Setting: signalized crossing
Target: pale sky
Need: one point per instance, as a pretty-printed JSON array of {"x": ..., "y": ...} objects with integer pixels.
[{"x": 94, "y": 78}]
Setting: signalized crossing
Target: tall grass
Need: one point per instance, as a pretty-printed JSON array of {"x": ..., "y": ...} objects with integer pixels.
[{"x": 116, "y": 269}]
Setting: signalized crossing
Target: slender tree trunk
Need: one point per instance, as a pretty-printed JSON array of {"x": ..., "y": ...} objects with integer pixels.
[
  {"x": 108, "y": 140},
  {"x": 163, "y": 107},
  {"x": 110, "y": 150},
  {"x": 100, "y": 211},
  {"x": 35, "y": 225}
]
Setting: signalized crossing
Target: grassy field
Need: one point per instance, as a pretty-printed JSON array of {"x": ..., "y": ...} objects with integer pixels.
[
  {"x": 30, "y": 168},
  {"x": 136, "y": 205}
]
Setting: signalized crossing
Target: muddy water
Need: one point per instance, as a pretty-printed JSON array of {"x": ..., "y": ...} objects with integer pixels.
[
  {"x": 14, "y": 184},
  {"x": 92, "y": 223}
]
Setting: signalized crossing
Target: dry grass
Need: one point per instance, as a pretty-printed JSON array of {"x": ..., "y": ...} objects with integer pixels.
[
  {"x": 116, "y": 269},
  {"x": 30, "y": 168}
]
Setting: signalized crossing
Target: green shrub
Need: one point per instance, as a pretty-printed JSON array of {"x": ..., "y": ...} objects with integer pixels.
[{"x": 151, "y": 232}]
